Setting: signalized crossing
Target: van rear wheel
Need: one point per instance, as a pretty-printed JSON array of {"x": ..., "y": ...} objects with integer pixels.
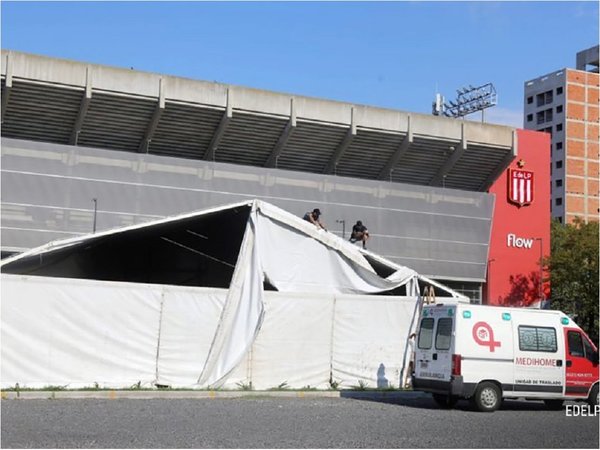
[
  {"x": 487, "y": 397},
  {"x": 445, "y": 401},
  {"x": 554, "y": 405}
]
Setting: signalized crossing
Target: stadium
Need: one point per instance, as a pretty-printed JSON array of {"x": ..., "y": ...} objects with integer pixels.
[{"x": 88, "y": 148}]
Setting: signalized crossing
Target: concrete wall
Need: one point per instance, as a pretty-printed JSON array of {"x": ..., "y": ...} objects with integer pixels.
[
  {"x": 47, "y": 192},
  {"x": 44, "y": 69}
]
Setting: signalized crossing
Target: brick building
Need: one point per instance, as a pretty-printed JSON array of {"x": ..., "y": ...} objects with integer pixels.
[{"x": 565, "y": 104}]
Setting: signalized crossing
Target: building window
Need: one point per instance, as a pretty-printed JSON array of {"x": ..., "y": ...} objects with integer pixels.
[
  {"x": 559, "y": 146},
  {"x": 529, "y": 117},
  {"x": 529, "y": 100},
  {"x": 540, "y": 99},
  {"x": 540, "y": 117},
  {"x": 548, "y": 115},
  {"x": 559, "y": 127},
  {"x": 558, "y": 201},
  {"x": 558, "y": 183},
  {"x": 559, "y": 164},
  {"x": 559, "y": 109},
  {"x": 543, "y": 99},
  {"x": 560, "y": 219},
  {"x": 559, "y": 90}
]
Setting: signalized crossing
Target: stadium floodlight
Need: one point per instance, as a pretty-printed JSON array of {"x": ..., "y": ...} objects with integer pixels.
[{"x": 469, "y": 100}]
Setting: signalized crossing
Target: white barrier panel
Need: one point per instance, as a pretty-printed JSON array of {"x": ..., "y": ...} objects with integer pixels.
[
  {"x": 369, "y": 339},
  {"x": 189, "y": 321},
  {"x": 293, "y": 348},
  {"x": 74, "y": 333},
  {"x": 78, "y": 333}
]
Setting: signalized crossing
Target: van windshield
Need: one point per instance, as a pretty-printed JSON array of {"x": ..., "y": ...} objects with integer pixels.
[{"x": 426, "y": 333}]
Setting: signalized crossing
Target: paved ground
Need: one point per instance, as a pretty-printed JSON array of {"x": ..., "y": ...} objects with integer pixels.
[{"x": 255, "y": 422}]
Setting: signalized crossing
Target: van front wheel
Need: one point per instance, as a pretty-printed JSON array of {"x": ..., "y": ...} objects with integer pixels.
[
  {"x": 593, "y": 398},
  {"x": 488, "y": 397}
]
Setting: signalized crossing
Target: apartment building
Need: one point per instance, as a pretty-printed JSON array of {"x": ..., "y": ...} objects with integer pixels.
[{"x": 564, "y": 104}]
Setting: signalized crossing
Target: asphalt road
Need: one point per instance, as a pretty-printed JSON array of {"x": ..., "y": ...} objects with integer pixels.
[{"x": 287, "y": 423}]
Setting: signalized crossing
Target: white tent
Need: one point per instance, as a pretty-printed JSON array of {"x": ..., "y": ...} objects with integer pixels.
[{"x": 237, "y": 296}]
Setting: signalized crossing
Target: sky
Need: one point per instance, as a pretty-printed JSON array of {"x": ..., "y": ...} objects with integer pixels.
[{"x": 385, "y": 54}]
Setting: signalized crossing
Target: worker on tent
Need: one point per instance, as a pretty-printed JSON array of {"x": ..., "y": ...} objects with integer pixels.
[
  {"x": 313, "y": 217},
  {"x": 359, "y": 233}
]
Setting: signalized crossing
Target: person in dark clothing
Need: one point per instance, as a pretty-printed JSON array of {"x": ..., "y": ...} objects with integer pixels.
[
  {"x": 359, "y": 233},
  {"x": 313, "y": 217}
]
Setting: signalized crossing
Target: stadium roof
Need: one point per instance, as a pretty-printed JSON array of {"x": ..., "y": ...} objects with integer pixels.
[{"x": 67, "y": 102}]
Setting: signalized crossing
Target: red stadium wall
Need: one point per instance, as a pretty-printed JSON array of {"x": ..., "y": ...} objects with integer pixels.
[{"x": 514, "y": 252}]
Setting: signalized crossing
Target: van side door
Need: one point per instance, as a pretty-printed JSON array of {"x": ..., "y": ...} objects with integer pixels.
[
  {"x": 539, "y": 363},
  {"x": 581, "y": 372}
]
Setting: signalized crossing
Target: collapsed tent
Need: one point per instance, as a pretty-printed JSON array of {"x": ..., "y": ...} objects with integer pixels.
[{"x": 237, "y": 296}]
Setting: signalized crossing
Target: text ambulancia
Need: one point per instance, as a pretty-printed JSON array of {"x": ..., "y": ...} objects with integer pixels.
[{"x": 486, "y": 354}]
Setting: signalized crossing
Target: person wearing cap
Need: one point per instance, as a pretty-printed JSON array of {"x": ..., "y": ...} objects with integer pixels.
[
  {"x": 313, "y": 217},
  {"x": 359, "y": 233}
]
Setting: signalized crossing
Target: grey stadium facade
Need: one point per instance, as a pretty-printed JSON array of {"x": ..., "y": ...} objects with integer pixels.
[{"x": 145, "y": 146}]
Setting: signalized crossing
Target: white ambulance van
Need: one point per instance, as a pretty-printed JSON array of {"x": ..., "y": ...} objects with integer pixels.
[{"x": 489, "y": 353}]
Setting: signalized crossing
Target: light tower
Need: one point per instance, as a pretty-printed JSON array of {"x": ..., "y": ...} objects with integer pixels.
[{"x": 469, "y": 99}]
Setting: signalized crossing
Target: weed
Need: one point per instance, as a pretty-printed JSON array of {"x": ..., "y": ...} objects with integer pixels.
[
  {"x": 362, "y": 386},
  {"x": 281, "y": 387},
  {"x": 54, "y": 388},
  {"x": 308, "y": 387},
  {"x": 244, "y": 386}
]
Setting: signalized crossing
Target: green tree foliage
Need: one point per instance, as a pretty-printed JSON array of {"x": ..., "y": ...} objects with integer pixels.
[{"x": 573, "y": 268}]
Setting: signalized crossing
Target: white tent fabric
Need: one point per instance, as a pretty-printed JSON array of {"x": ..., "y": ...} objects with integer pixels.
[
  {"x": 293, "y": 263},
  {"x": 319, "y": 325},
  {"x": 76, "y": 332},
  {"x": 241, "y": 316},
  {"x": 275, "y": 249},
  {"x": 187, "y": 325},
  {"x": 295, "y": 343},
  {"x": 83, "y": 333},
  {"x": 363, "y": 324}
]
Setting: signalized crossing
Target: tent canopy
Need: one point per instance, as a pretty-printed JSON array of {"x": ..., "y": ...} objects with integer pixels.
[
  {"x": 246, "y": 248},
  {"x": 200, "y": 248}
]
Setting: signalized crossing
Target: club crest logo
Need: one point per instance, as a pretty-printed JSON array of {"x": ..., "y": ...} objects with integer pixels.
[{"x": 520, "y": 187}]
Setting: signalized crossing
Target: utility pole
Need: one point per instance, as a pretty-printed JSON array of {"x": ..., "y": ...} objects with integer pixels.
[
  {"x": 343, "y": 222},
  {"x": 95, "y": 212},
  {"x": 541, "y": 293}
]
